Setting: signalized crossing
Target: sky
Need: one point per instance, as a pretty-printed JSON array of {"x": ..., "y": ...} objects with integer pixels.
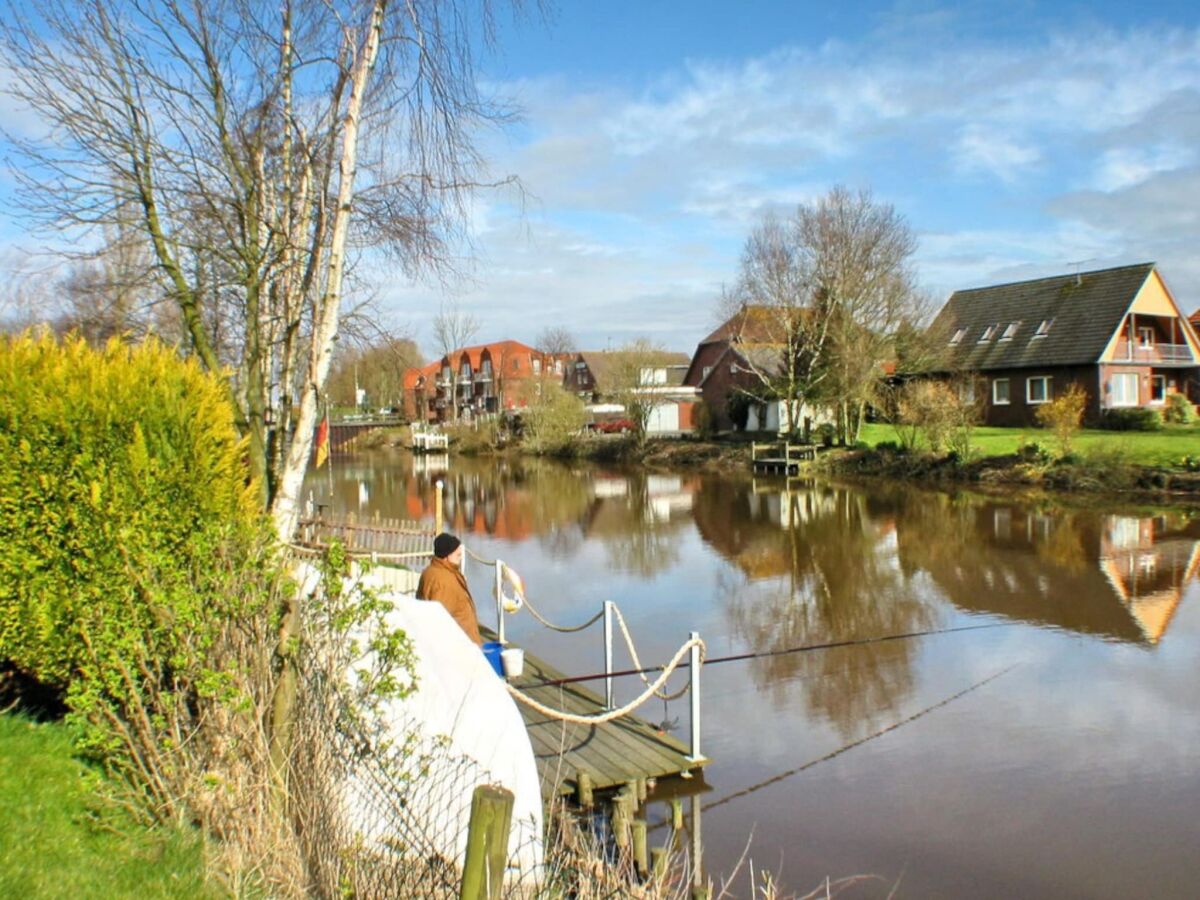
[{"x": 1018, "y": 139}]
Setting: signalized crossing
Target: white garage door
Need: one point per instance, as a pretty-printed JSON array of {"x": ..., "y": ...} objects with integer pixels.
[{"x": 664, "y": 418}]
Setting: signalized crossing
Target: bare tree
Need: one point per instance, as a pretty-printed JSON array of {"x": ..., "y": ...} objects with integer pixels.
[
  {"x": 629, "y": 380},
  {"x": 256, "y": 146},
  {"x": 556, "y": 340},
  {"x": 826, "y": 293},
  {"x": 454, "y": 329}
]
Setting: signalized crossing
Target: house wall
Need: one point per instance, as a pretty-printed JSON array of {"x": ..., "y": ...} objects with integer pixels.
[
  {"x": 1019, "y": 413},
  {"x": 716, "y": 389},
  {"x": 706, "y": 355}
]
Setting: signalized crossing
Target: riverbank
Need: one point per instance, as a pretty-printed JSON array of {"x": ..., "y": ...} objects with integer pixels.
[{"x": 1113, "y": 464}]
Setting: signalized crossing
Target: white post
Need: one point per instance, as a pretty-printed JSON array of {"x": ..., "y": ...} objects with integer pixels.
[
  {"x": 694, "y": 690},
  {"x": 608, "y": 650},
  {"x": 499, "y": 602}
]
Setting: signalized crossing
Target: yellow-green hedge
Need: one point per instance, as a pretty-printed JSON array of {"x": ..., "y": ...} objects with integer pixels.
[{"x": 122, "y": 480}]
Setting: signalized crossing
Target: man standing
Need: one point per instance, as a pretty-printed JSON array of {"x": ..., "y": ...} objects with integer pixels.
[{"x": 443, "y": 581}]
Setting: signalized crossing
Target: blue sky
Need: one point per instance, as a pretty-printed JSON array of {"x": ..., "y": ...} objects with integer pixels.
[{"x": 1018, "y": 139}]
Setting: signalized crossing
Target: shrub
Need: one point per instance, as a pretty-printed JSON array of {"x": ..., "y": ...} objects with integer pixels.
[
  {"x": 1132, "y": 419},
  {"x": 1033, "y": 452},
  {"x": 889, "y": 447},
  {"x": 1179, "y": 410},
  {"x": 1063, "y": 415},
  {"x": 121, "y": 474}
]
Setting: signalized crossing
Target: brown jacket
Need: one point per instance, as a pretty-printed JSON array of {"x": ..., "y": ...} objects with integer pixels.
[{"x": 444, "y": 582}]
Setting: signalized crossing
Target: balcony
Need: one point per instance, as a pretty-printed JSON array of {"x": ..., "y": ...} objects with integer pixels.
[
  {"x": 1154, "y": 354},
  {"x": 483, "y": 377}
]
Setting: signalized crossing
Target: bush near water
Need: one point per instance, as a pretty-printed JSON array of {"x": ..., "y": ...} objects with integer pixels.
[{"x": 137, "y": 580}]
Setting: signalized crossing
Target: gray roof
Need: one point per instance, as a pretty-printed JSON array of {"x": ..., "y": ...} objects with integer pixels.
[{"x": 1083, "y": 310}]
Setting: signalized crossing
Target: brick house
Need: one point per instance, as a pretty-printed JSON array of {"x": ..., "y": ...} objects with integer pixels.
[
  {"x": 485, "y": 378},
  {"x": 1116, "y": 332},
  {"x": 730, "y": 362}
]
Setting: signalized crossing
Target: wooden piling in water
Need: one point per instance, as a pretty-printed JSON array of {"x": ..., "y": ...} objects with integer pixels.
[
  {"x": 583, "y": 789},
  {"x": 619, "y": 822},
  {"x": 487, "y": 843},
  {"x": 677, "y": 814},
  {"x": 658, "y": 865},
  {"x": 639, "y": 846}
]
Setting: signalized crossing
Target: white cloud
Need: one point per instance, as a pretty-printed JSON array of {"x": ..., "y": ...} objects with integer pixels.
[{"x": 979, "y": 150}]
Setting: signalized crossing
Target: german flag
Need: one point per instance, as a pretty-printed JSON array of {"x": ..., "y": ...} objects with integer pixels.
[{"x": 323, "y": 441}]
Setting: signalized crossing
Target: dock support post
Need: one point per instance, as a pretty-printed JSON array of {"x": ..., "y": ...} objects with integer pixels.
[
  {"x": 619, "y": 820},
  {"x": 608, "y": 654},
  {"x": 487, "y": 843},
  {"x": 583, "y": 789},
  {"x": 639, "y": 847},
  {"x": 499, "y": 603},
  {"x": 694, "y": 690},
  {"x": 677, "y": 814},
  {"x": 658, "y": 865},
  {"x": 699, "y": 890}
]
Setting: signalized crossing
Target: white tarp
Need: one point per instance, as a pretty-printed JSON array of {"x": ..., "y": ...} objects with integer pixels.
[{"x": 462, "y": 710}]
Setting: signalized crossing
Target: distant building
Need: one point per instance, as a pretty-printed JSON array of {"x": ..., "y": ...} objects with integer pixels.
[
  {"x": 591, "y": 376},
  {"x": 485, "y": 378},
  {"x": 1116, "y": 332}
]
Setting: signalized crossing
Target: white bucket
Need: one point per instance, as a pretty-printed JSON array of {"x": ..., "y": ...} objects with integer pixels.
[{"x": 513, "y": 660}]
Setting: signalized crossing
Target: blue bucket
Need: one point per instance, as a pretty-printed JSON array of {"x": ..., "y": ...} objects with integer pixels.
[{"x": 491, "y": 650}]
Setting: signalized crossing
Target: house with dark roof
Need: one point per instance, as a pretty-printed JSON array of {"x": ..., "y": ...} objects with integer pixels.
[
  {"x": 734, "y": 361},
  {"x": 1118, "y": 333}
]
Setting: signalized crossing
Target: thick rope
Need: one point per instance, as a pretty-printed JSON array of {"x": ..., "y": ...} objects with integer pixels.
[
  {"x": 637, "y": 663},
  {"x": 563, "y": 629},
  {"x": 625, "y": 710}
]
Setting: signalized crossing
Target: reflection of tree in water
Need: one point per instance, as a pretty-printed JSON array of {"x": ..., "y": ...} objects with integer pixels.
[{"x": 818, "y": 565}]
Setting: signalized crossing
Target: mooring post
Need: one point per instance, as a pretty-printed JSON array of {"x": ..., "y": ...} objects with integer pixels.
[
  {"x": 694, "y": 690},
  {"x": 699, "y": 889},
  {"x": 499, "y": 602},
  {"x": 438, "y": 487},
  {"x": 487, "y": 843},
  {"x": 677, "y": 814},
  {"x": 658, "y": 864},
  {"x": 583, "y": 789},
  {"x": 608, "y": 654},
  {"x": 640, "y": 861}
]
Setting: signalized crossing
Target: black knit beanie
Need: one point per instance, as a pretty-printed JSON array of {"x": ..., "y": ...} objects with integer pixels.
[{"x": 445, "y": 544}]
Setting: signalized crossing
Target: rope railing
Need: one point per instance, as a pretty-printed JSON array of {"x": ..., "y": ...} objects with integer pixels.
[{"x": 600, "y": 718}]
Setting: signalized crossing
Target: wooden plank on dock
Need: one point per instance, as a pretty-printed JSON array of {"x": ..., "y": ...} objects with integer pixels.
[{"x": 613, "y": 753}]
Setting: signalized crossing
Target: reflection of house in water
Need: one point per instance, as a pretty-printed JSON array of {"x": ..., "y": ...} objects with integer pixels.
[
  {"x": 1147, "y": 576},
  {"x": 430, "y": 463},
  {"x": 1116, "y": 577}
]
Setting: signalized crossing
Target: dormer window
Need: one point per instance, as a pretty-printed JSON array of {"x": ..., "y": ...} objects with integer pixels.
[
  {"x": 1010, "y": 331},
  {"x": 1043, "y": 328},
  {"x": 988, "y": 334},
  {"x": 958, "y": 336}
]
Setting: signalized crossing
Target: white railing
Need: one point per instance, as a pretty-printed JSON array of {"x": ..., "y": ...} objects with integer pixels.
[{"x": 1155, "y": 353}]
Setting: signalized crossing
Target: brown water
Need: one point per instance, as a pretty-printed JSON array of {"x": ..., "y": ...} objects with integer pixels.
[{"x": 1056, "y": 755}]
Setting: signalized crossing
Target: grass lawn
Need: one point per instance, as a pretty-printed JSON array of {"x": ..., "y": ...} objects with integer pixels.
[
  {"x": 1143, "y": 448},
  {"x": 49, "y": 849}
]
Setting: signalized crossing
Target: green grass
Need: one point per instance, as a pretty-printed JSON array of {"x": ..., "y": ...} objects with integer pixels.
[
  {"x": 49, "y": 845},
  {"x": 1141, "y": 448}
]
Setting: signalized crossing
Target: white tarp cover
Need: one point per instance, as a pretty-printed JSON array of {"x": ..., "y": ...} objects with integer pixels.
[{"x": 459, "y": 699}]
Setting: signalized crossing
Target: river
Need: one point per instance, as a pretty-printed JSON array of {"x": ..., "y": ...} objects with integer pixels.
[{"x": 1056, "y": 754}]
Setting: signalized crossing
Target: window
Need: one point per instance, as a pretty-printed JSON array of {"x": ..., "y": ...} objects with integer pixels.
[
  {"x": 1145, "y": 336},
  {"x": 958, "y": 336},
  {"x": 1010, "y": 331},
  {"x": 1000, "y": 392},
  {"x": 558, "y": 367},
  {"x": 1037, "y": 389},
  {"x": 704, "y": 374},
  {"x": 987, "y": 333},
  {"x": 1123, "y": 389},
  {"x": 1158, "y": 388},
  {"x": 1044, "y": 328},
  {"x": 966, "y": 391},
  {"x": 537, "y": 367}
]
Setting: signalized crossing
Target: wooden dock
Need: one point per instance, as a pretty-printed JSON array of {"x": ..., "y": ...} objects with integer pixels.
[
  {"x": 780, "y": 457},
  {"x": 614, "y": 753}
]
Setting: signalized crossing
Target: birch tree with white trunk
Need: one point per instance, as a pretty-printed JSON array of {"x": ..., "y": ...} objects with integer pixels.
[{"x": 260, "y": 148}]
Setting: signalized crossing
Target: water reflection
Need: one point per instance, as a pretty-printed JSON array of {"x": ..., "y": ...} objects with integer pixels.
[
  {"x": 1100, "y": 632},
  {"x": 1115, "y": 576}
]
